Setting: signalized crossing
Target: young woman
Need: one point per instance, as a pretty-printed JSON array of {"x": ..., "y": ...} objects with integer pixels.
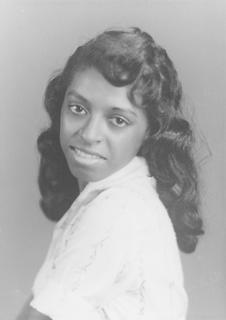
[{"x": 117, "y": 173}]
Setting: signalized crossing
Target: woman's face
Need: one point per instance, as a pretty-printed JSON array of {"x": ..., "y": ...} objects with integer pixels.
[{"x": 100, "y": 130}]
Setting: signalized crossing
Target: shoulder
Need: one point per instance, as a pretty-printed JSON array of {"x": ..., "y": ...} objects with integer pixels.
[
  {"x": 139, "y": 201},
  {"x": 121, "y": 196},
  {"x": 136, "y": 204},
  {"x": 137, "y": 216}
]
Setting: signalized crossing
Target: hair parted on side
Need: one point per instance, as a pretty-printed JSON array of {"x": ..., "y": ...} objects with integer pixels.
[{"x": 130, "y": 58}]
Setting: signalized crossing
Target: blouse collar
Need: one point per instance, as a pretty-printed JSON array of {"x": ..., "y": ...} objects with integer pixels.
[{"x": 135, "y": 168}]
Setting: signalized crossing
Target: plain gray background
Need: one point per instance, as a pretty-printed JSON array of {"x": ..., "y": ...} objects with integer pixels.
[{"x": 36, "y": 39}]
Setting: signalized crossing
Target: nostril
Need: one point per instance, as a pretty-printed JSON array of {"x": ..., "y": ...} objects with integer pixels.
[{"x": 91, "y": 132}]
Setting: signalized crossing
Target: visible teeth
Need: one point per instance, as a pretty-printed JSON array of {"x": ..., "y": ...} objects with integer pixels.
[{"x": 86, "y": 155}]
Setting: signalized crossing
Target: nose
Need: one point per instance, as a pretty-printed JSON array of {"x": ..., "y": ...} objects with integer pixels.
[{"x": 91, "y": 131}]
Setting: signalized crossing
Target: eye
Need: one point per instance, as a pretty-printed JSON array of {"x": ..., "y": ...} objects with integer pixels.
[
  {"x": 119, "y": 122},
  {"x": 77, "y": 108}
]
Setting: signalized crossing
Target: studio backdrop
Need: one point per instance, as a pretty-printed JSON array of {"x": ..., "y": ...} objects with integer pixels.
[{"x": 36, "y": 37}]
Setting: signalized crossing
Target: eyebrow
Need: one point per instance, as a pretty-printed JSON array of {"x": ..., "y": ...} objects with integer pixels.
[
  {"x": 77, "y": 95},
  {"x": 113, "y": 108},
  {"x": 120, "y": 110}
]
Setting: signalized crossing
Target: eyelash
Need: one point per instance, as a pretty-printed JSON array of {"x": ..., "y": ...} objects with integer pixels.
[
  {"x": 113, "y": 119},
  {"x": 124, "y": 121},
  {"x": 76, "y": 112}
]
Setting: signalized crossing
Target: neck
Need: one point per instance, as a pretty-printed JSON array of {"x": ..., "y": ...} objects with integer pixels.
[{"x": 81, "y": 185}]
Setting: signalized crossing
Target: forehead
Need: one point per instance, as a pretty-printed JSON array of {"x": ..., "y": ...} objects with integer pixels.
[{"x": 91, "y": 84}]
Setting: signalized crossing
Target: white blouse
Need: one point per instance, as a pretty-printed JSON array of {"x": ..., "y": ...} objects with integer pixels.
[{"x": 113, "y": 255}]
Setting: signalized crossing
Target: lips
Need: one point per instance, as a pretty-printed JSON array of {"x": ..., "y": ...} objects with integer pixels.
[{"x": 87, "y": 154}]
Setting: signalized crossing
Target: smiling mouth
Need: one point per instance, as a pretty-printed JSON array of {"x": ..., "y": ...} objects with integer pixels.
[{"x": 85, "y": 154}]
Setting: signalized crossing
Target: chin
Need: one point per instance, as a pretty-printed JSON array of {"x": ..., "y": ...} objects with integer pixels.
[{"x": 87, "y": 176}]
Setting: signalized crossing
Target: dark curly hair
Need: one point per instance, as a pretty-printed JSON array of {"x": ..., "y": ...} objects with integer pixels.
[{"x": 130, "y": 57}]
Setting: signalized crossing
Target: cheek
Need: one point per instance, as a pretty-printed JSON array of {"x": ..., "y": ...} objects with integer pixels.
[
  {"x": 64, "y": 131},
  {"x": 130, "y": 143},
  {"x": 67, "y": 126},
  {"x": 62, "y": 139}
]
